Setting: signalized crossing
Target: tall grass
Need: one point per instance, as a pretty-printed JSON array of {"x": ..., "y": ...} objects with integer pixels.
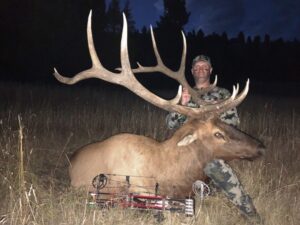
[{"x": 40, "y": 126}]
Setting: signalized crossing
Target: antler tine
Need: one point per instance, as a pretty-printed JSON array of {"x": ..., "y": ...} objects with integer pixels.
[
  {"x": 215, "y": 81},
  {"x": 234, "y": 92},
  {"x": 229, "y": 104},
  {"x": 217, "y": 109},
  {"x": 96, "y": 71},
  {"x": 178, "y": 75},
  {"x": 177, "y": 98},
  {"x": 160, "y": 66},
  {"x": 181, "y": 69},
  {"x": 94, "y": 57},
  {"x": 125, "y": 63}
]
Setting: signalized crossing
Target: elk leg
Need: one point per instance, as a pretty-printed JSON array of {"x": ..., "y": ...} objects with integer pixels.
[{"x": 224, "y": 178}]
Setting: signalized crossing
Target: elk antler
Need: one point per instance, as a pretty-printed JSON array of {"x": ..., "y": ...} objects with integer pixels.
[{"x": 127, "y": 79}]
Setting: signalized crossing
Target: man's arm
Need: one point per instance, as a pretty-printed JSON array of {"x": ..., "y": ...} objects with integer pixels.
[
  {"x": 175, "y": 120},
  {"x": 231, "y": 116}
]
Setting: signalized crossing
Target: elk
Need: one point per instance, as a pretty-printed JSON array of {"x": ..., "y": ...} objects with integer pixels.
[{"x": 175, "y": 163}]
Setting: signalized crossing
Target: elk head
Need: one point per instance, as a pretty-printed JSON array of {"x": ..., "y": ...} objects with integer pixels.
[{"x": 220, "y": 140}]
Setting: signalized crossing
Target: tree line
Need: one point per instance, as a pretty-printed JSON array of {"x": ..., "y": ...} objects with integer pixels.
[{"x": 37, "y": 36}]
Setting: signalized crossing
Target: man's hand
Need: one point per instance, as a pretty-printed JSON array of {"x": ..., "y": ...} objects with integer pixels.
[{"x": 185, "y": 97}]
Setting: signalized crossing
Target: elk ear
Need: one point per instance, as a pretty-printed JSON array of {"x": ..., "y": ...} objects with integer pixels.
[{"x": 186, "y": 140}]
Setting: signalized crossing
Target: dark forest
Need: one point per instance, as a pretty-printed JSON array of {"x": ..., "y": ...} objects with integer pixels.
[{"x": 36, "y": 37}]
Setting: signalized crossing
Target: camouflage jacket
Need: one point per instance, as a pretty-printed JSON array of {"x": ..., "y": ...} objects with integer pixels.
[{"x": 175, "y": 120}]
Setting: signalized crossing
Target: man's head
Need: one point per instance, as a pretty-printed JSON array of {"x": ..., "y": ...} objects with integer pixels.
[
  {"x": 201, "y": 69},
  {"x": 203, "y": 58}
]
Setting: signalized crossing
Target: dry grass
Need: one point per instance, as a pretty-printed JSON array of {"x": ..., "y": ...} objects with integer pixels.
[{"x": 41, "y": 125}]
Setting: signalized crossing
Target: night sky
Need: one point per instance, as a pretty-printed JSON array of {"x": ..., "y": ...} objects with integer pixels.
[
  {"x": 38, "y": 35},
  {"x": 278, "y": 18}
]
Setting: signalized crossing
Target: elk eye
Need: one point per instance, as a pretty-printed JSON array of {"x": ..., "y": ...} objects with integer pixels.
[{"x": 219, "y": 135}]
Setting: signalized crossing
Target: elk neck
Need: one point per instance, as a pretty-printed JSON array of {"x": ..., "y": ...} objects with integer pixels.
[{"x": 194, "y": 151}]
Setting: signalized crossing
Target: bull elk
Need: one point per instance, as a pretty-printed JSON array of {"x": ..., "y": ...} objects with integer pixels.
[{"x": 176, "y": 163}]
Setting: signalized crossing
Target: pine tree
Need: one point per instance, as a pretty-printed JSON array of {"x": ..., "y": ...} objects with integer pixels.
[
  {"x": 168, "y": 31},
  {"x": 99, "y": 14},
  {"x": 130, "y": 20},
  {"x": 175, "y": 15},
  {"x": 114, "y": 17}
]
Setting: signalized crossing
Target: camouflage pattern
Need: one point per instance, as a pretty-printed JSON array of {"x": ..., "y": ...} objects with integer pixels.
[
  {"x": 224, "y": 178},
  {"x": 175, "y": 120},
  {"x": 217, "y": 170}
]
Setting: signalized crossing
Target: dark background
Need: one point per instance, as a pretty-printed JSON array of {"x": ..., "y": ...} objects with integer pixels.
[{"x": 37, "y": 36}]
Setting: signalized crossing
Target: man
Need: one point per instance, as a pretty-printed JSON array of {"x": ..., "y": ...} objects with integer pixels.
[{"x": 218, "y": 171}]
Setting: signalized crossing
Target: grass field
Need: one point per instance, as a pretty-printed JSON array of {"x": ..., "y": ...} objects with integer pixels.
[{"x": 40, "y": 126}]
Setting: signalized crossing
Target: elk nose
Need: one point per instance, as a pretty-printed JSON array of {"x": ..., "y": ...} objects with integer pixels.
[{"x": 261, "y": 149}]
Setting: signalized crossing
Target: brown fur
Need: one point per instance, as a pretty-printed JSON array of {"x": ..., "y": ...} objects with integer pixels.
[{"x": 173, "y": 167}]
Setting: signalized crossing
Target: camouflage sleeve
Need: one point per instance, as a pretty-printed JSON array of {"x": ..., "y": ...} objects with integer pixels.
[
  {"x": 174, "y": 120},
  {"x": 224, "y": 178},
  {"x": 231, "y": 116}
]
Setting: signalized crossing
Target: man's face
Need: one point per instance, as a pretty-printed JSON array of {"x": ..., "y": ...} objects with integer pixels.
[{"x": 201, "y": 71}]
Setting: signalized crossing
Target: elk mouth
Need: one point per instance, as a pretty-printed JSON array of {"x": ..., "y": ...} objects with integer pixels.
[
  {"x": 251, "y": 159},
  {"x": 248, "y": 158},
  {"x": 260, "y": 153}
]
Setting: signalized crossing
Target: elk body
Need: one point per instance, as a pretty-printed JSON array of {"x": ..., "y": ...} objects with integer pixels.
[{"x": 176, "y": 163}]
